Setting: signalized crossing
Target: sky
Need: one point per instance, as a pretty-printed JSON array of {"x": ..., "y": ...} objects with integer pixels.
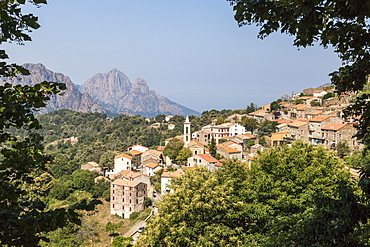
[{"x": 192, "y": 52}]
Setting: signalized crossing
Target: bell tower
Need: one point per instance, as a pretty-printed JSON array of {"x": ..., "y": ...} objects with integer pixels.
[{"x": 187, "y": 132}]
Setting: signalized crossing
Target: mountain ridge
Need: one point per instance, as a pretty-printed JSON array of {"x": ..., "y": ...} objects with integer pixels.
[{"x": 110, "y": 93}]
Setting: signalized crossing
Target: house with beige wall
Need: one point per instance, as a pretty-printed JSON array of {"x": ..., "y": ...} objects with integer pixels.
[{"x": 127, "y": 197}]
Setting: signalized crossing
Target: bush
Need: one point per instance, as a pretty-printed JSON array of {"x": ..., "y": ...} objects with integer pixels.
[{"x": 134, "y": 216}]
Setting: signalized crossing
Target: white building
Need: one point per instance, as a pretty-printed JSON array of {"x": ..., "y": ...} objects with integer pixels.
[
  {"x": 139, "y": 148},
  {"x": 122, "y": 162}
]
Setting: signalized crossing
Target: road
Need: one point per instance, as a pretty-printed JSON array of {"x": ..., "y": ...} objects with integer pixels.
[{"x": 133, "y": 230}]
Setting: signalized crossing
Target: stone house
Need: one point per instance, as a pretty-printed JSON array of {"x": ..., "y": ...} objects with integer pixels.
[
  {"x": 127, "y": 197},
  {"x": 298, "y": 130},
  {"x": 203, "y": 136},
  {"x": 195, "y": 147},
  {"x": 230, "y": 153},
  {"x": 340, "y": 132},
  {"x": 315, "y": 125},
  {"x": 205, "y": 160},
  {"x": 151, "y": 168},
  {"x": 92, "y": 167},
  {"x": 133, "y": 176}
]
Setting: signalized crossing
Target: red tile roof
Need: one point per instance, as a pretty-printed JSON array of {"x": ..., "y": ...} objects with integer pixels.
[
  {"x": 334, "y": 127},
  {"x": 208, "y": 158},
  {"x": 123, "y": 156}
]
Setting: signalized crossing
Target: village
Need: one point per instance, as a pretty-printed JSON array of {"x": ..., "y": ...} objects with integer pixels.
[{"x": 315, "y": 119}]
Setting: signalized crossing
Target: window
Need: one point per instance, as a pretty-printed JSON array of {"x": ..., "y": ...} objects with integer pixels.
[
  {"x": 130, "y": 201},
  {"x": 123, "y": 207},
  {"x": 123, "y": 199},
  {"x": 112, "y": 198},
  {"x": 137, "y": 201},
  {"x": 130, "y": 194},
  {"x": 113, "y": 192},
  {"x": 123, "y": 193},
  {"x": 112, "y": 205},
  {"x": 130, "y": 209}
]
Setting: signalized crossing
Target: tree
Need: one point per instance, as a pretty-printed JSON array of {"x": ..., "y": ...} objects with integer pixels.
[
  {"x": 250, "y": 124},
  {"x": 107, "y": 159},
  {"x": 173, "y": 148},
  {"x": 342, "y": 25},
  {"x": 236, "y": 206},
  {"x": 22, "y": 221},
  {"x": 183, "y": 156},
  {"x": 274, "y": 106},
  {"x": 265, "y": 128},
  {"x": 212, "y": 147}
]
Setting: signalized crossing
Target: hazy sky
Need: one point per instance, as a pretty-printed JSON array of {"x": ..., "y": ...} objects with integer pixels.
[{"x": 192, "y": 52}]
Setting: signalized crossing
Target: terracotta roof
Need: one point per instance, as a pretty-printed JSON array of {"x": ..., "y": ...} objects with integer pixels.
[
  {"x": 280, "y": 120},
  {"x": 160, "y": 148},
  {"x": 315, "y": 112},
  {"x": 231, "y": 150},
  {"x": 130, "y": 174},
  {"x": 175, "y": 174},
  {"x": 126, "y": 183},
  {"x": 297, "y": 124},
  {"x": 194, "y": 142},
  {"x": 320, "y": 118},
  {"x": 297, "y": 106},
  {"x": 318, "y": 91},
  {"x": 123, "y": 156},
  {"x": 218, "y": 164},
  {"x": 334, "y": 127},
  {"x": 306, "y": 97},
  {"x": 135, "y": 152},
  {"x": 303, "y": 108},
  {"x": 208, "y": 158},
  {"x": 152, "y": 165},
  {"x": 150, "y": 158}
]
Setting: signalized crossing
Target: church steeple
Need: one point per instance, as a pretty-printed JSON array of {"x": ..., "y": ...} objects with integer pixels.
[{"x": 187, "y": 131}]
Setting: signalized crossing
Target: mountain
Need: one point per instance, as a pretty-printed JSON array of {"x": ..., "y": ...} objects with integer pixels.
[
  {"x": 114, "y": 91},
  {"x": 71, "y": 98}
]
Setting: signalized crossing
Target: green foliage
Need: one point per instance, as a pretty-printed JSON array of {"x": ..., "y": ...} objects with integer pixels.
[
  {"x": 173, "y": 148},
  {"x": 328, "y": 95},
  {"x": 212, "y": 147},
  {"x": 315, "y": 103},
  {"x": 122, "y": 242},
  {"x": 160, "y": 118},
  {"x": 235, "y": 206},
  {"x": 250, "y": 124},
  {"x": 111, "y": 227},
  {"x": 274, "y": 106},
  {"x": 147, "y": 202},
  {"x": 342, "y": 149},
  {"x": 220, "y": 120},
  {"x": 265, "y": 128},
  {"x": 134, "y": 215},
  {"x": 262, "y": 141},
  {"x": 107, "y": 159},
  {"x": 22, "y": 213},
  {"x": 183, "y": 156}
]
